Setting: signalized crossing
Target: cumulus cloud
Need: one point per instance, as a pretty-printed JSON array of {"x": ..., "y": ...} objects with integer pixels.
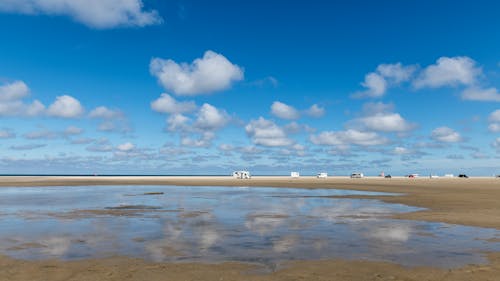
[
  {"x": 379, "y": 117},
  {"x": 200, "y": 130},
  {"x": 385, "y": 76},
  {"x": 396, "y": 73},
  {"x": 210, "y": 118},
  {"x": 111, "y": 120},
  {"x": 177, "y": 122},
  {"x": 12, "y": 102},
  {"x": 205, "y": 140},
  {"x": 494, "y": 120},
  {"x": 348, "y": 137},
  {"x": 99, "y": 14},
  {"x": 449, "y": 71},
  {"x": 266, "y": 133},
  {"x": 284, "y": 111},
  {"x": 481, "y": 94},
  {"x": 125, "y": 147},
  {"x": 65, "y": 107},
  {"x": 167, "y": 104},
  {"x": 386, "y": 122},
  {"x": 14, "y": 91},
  {"x": 315, "y": 111},
  {"x": 211, "y": 73},
  {"x": 445, "y": 134},
  {"x": 103, "y": 112}
]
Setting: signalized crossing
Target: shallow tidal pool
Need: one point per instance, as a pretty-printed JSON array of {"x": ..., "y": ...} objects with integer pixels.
[{"x": 215, "y": 224}]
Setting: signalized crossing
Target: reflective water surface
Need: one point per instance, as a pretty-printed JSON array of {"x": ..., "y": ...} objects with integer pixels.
[{"x": 214, "y": 224}]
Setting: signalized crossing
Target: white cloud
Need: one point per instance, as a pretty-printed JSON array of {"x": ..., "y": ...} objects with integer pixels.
[
  {"x": 14, "y": 91},
  {"x": 284, "y": 111},
  {"x": 445, "y": 134},
  {"x": 7, "y": 134},
  {"x": 375, "y": 84},
  {"x": 480, "y": 94},
  {"x": 93, "y": 13},
  {"x": 212, "y": 73},
  {"x": 348, "y": 137},
  {"x": 315, "y": 111},
  {"x": 396, "y": 72},
  {"x": 72, "y": 130},
  {"x": 65, "y": 107},
  {"x": 494, "y": 116},
  {"x": 204, "y": 141},
  {"x": 494, "y": 127},
  {"x": 128, "y": 146},
  {"x": 12, "y": 104},
  {"x": 111, "y": 120},
  {"x": 379, "y": 117},
  {"x": 494, "y": 120},
  {"x": 210, "y": 118},
  {"x": 386, "y": 75},
  {"x": 401, "y": 150},
  {"x": 496, "y": 144},
  {"x": 167, "y": 104},
  {"x": 448, "y": 71},
  {"x": 176, "y": 122},
  {"x": 267, "y": 133},
  {"x": 103, "y": 112},
  {"x": 386, "y": 122},
  {"x": 295, "y": 128}
]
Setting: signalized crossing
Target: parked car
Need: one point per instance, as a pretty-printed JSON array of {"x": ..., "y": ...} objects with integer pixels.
[
  {"x": 388, "y": 177},
  {"x": 463, "y": 176}
]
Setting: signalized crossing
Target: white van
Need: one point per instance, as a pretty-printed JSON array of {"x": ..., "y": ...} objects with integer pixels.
[
  {"x": 357, "y": 175},
  {"x": 322, "y": 175}
]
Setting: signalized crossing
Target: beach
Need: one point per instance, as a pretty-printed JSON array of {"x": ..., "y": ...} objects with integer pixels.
[{"x": 461, "y": 201}]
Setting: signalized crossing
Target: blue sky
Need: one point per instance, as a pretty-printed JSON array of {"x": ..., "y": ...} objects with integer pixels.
[{"x": 207, "y": 87}]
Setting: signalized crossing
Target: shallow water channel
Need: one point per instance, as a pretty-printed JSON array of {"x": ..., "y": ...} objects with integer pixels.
[{"x": 215, "y": 224}]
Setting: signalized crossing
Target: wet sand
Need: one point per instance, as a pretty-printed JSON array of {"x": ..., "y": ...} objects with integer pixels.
[{"x": 473, "y": 201}]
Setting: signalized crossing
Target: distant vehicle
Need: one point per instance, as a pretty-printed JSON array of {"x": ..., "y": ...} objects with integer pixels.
[
  {"x": 295, "y": 174},
  {"x": 357, "y": 175},
  {"x": 433, "y": 176},
  {"x": 448, "y": 175},
  {"x": 498, "y": 176},
  {"x": 241, "y": 175},
  {"x": 322, "y": 175},
  {"x": 413, "y": 176},
  {"x": 388, "y": 177},
  {"x": 463, "y": 176}
]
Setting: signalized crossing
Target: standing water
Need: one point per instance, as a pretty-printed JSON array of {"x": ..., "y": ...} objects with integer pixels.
[{"x": 216, "y": 224}]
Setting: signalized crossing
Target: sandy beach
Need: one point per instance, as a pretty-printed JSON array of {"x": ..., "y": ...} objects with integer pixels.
[{"x": 472, "y": 202}]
